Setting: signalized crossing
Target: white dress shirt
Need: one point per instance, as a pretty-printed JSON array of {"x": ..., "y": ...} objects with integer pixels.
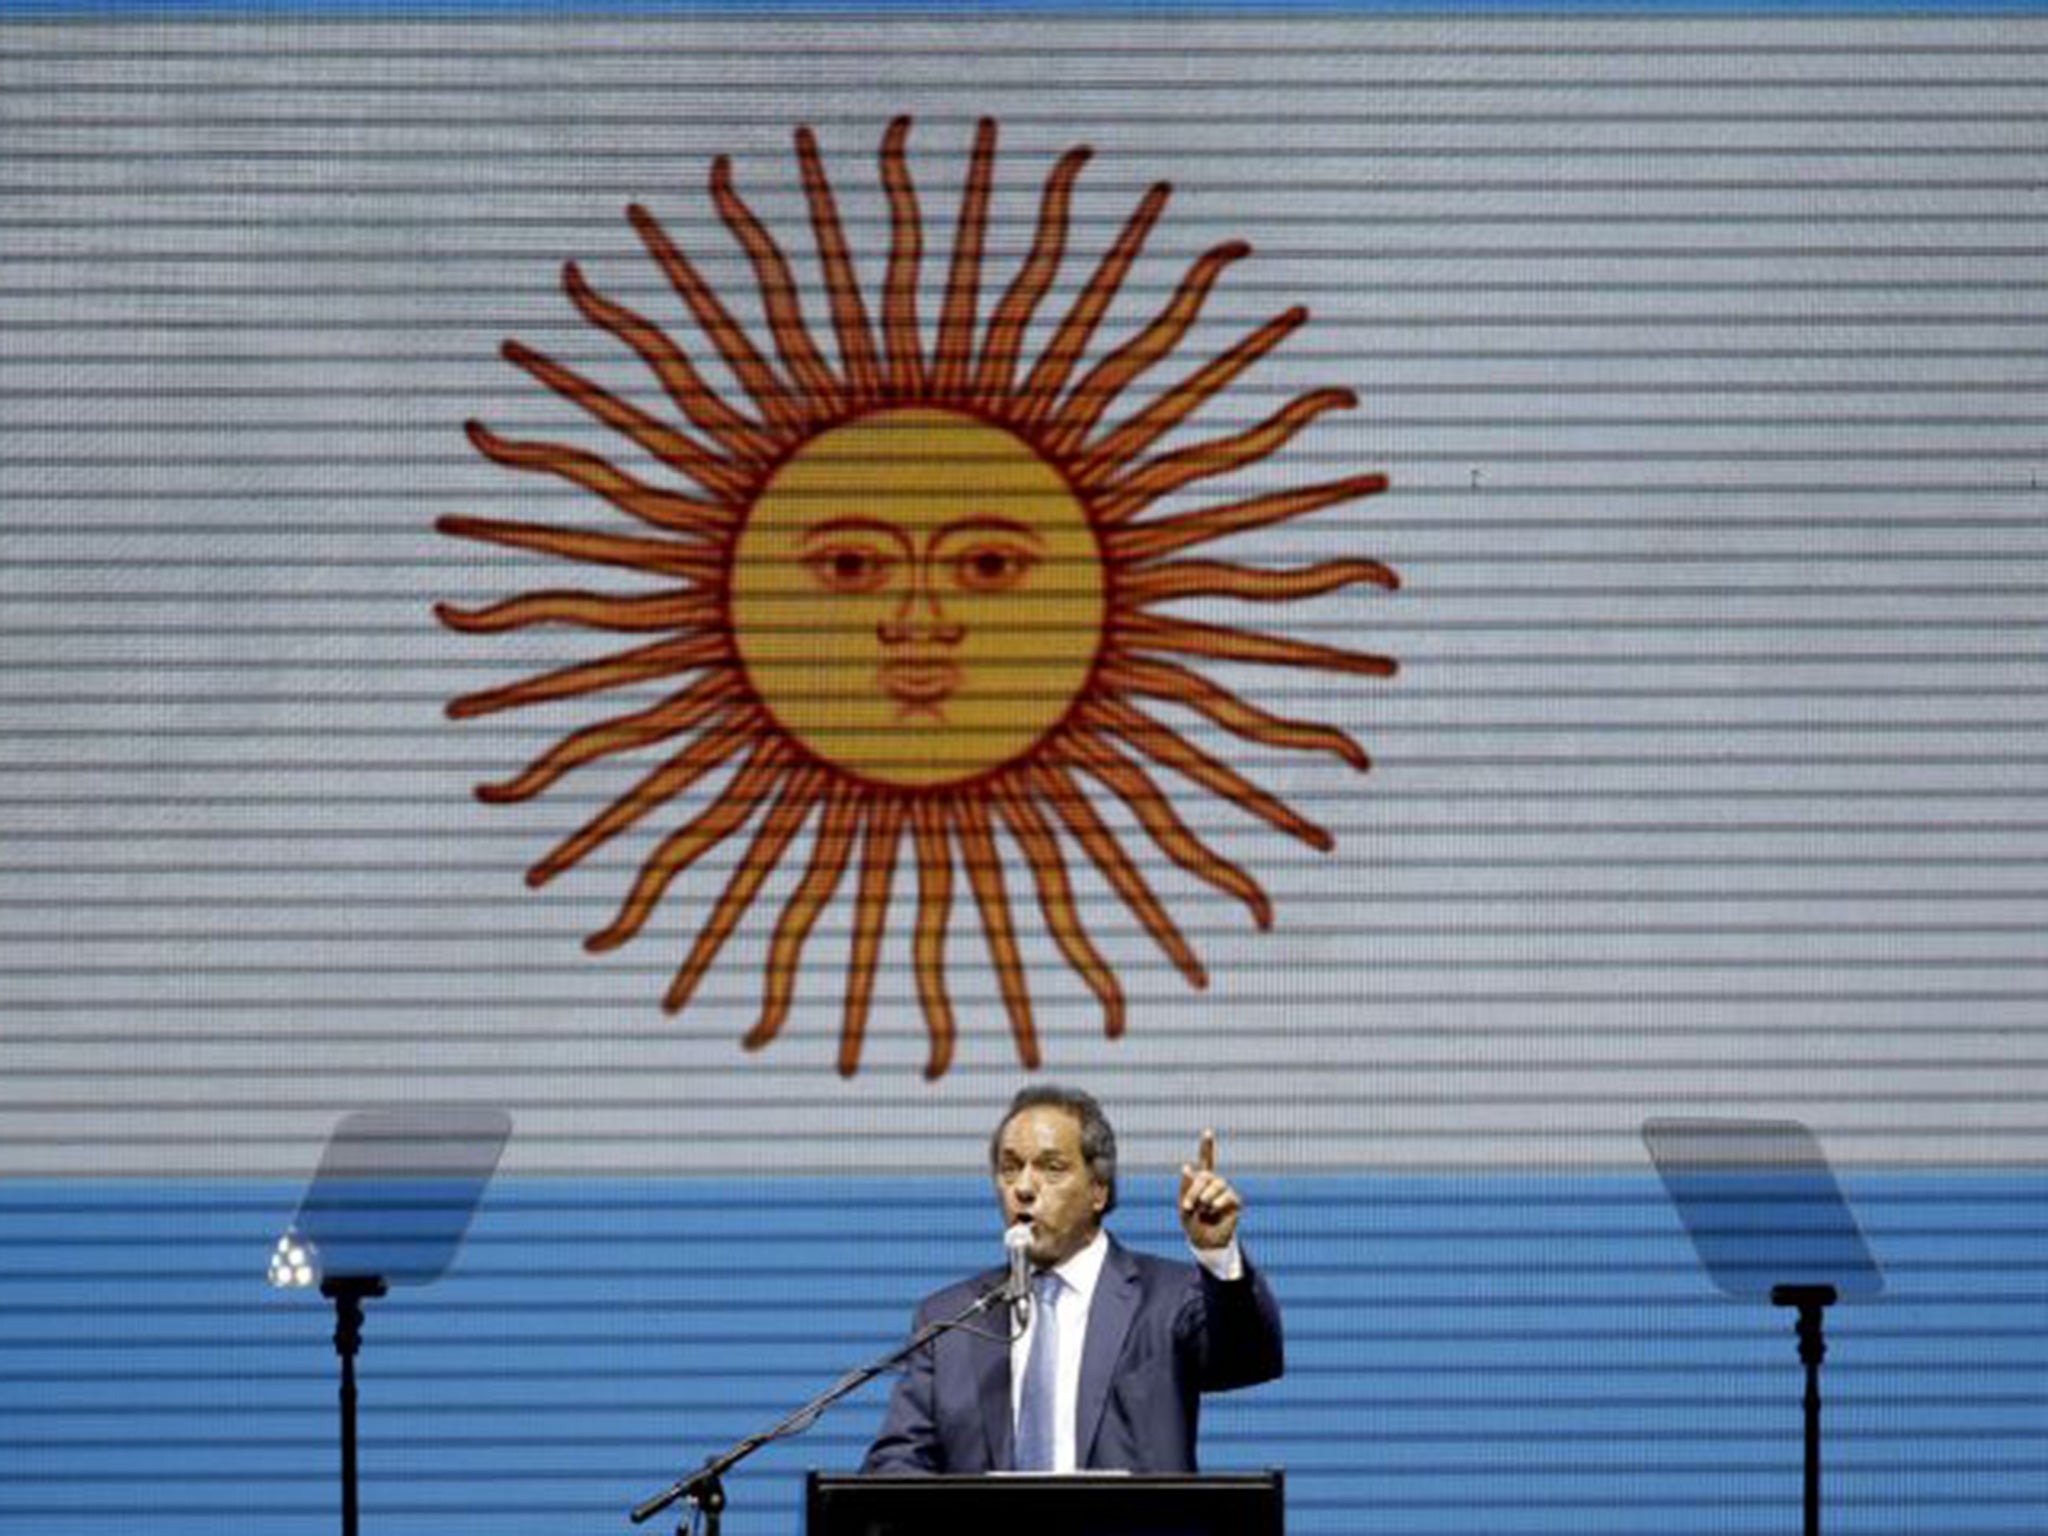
[{"x": 1080, "y": 1274}]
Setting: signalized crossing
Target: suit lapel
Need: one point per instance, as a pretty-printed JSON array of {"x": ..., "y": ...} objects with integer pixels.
[{"x": 1109, "y": 1322}]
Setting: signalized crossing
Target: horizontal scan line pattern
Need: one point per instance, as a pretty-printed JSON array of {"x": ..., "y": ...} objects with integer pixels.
[{"x": 1704, "y": 358}]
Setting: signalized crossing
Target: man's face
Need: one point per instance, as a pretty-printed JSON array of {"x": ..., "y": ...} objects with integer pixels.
[{"x": 1042, "y": 1177}]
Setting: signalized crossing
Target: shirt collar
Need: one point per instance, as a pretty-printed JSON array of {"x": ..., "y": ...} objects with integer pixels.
[{"x": 1083, "y": 1269}]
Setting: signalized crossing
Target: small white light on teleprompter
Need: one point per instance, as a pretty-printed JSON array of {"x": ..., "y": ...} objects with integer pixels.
[{"x": 294, "y": 1263}]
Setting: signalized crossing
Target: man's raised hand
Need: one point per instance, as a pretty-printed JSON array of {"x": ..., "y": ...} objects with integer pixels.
[{"x": 1209, "y": 1207}]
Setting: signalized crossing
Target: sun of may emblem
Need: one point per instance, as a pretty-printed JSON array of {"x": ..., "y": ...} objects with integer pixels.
[{"x": 904, "y": 598}]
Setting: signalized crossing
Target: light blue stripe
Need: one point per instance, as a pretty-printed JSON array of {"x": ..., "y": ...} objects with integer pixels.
[{"x": 1509, "y": 1353}]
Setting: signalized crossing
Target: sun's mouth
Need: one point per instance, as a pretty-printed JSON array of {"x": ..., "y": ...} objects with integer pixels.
[{"x": 919, "y": 683}]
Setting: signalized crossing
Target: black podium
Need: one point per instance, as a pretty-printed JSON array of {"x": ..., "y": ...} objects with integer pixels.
[{"x": 1045, "y": 1504}]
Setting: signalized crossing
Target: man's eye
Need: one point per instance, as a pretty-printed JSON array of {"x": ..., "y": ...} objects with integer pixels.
[
  {"x": 992, "y": 567},
  {"x": 848, "y": 568}
]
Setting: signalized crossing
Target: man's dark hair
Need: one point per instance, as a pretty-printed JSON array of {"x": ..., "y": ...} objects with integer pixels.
[{"x": 1098, "y": 1140}]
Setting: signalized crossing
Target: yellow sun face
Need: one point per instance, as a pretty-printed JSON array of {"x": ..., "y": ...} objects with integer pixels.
[
  {"x": 902, "y": 602},
  {"x": 917, "y": 597}
]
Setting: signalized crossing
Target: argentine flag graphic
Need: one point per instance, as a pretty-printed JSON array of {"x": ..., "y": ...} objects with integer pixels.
[{"x": 702, "y": 592}]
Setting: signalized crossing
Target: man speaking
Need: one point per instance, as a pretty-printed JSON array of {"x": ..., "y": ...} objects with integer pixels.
[{"x": 1118, "y": 1346}]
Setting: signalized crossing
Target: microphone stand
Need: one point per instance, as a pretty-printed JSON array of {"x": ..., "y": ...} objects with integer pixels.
[{"x": 704, "y": 1489}]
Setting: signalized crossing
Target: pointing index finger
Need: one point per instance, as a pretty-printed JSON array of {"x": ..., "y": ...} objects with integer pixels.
[{"x": 1206, "y": 1160}]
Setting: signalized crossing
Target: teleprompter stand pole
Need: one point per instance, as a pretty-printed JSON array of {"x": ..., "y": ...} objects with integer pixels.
[
  {"x": 704, "y": 1489},
  {"x": 1812, "y": 1302},
  {"x": 348, "y": 1293}
]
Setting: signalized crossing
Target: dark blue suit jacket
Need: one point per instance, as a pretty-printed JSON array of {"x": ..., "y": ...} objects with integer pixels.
[{"x": 1160, "y": 1333}]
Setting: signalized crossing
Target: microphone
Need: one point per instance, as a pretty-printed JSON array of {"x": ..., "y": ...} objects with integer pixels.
[{"x": 1017, "y": 1242}]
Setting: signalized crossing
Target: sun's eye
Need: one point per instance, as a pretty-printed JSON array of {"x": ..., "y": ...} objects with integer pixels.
[
  {"x": 992, "y": 567},
  {"x": 849, "y": 568}
]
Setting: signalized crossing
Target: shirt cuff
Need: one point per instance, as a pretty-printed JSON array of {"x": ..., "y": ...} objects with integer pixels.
[{"x": 1225, "y": 1263}]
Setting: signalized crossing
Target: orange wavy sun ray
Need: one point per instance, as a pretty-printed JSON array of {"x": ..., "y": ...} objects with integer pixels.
[
  {"x": 815, "y": 383},
  {"x": 1162, "y": 679},
  {"x": 1145, "y": 631},
  {"x": 688, "y": 609},
  {"x": 670, "y": 445},
  {"x": 699, "y": 403},
  {"x": 1119, "y": 448},
  {"x": 1013, "y": 314},
  {"x": 1131, "y": 546},
  {"x": 899, "y": 283},
  {"x": 693, "y": 707},
  {"x": 644, "y": 664},
  {"x": 784, "y": 819},
  {"x": 1170, "y": 749},
  {"x": 1162, "y": 823},
  {"x": 1249, "y": 584},
  {"x": 985, "y": 877},
  {"x": 702, "y": 755},
  {"x": 1070, "y": 802},
  {"x": 666, "y": 510},
  {"x": 883, "y": 832},
  {"x": 727, "y": 337},
  {"x": 1125, "y": 498},
  {"x": 928, "y": 940},
  {"x": 1042, "y": 388},
  {"x": 734, "y": 807},
  {"x": 842, "y": 287},
  {"x": 1102, "y": 386},
  {"x": 831, "y": 850},
  {"x": 656, "y": 557},
  {"x": 1056, "y": 900},
  {"x": 955, "y": 350}
]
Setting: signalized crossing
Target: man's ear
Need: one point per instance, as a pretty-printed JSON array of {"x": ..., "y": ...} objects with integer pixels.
[{"x": 1099, "y": 1198}]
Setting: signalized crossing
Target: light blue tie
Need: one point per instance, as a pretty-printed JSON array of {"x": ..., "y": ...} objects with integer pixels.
[{"x": 1041, "y": 1377}]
